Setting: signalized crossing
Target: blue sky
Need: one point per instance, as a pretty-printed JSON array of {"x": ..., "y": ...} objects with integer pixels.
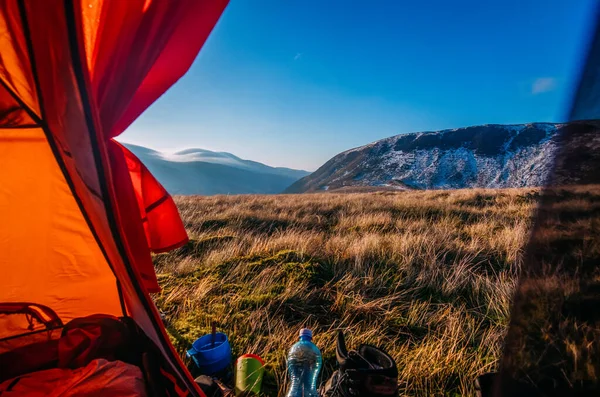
[{"x": 292, "y": 83}]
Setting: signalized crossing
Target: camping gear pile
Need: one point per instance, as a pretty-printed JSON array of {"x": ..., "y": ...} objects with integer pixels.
[{"x": 365, "y": 372}]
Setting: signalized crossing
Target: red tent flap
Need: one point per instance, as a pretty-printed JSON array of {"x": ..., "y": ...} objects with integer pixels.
[{"x": 162, "y": 223}]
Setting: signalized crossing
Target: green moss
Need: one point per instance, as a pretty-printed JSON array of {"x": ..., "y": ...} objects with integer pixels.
[
  {"x": 298, "y": 271},
  {"x": 276, "y": 259},
  {"x": 231, "y": 288},
  {"x": 255, "y": 301},
  {"x": 315, "y": 273},
  {"x": 277, "y": 289}
]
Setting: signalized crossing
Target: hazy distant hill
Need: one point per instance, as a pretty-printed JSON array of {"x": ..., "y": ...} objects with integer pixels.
[{"x": 200, "y": 171}]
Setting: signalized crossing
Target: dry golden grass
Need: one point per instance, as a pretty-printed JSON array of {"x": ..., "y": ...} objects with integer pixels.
[
  {"x": 555, "y": 322},
  {"x": 428, "y": 276}
]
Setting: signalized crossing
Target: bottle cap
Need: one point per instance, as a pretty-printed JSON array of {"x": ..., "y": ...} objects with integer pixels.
[{"x": 306, "y": 333}]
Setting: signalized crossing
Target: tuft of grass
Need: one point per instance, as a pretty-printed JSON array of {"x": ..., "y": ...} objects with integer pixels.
[{"x": 426, "y": 275}]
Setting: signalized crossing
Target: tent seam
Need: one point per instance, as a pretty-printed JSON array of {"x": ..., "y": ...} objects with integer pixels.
[{"x": 158, "y": 202}]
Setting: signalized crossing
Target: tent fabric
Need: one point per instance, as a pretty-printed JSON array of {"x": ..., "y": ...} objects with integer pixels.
[
  {"x": 131, "y": 227},
  {"x": 157, "y": 208},
  {"x": 13, "y": 115},
  {"x": 49, "y": 255},
  {"x": 134, "y": 62},
  {"x": 81, "y": 214},
  {"x": 15, "y": 67}
]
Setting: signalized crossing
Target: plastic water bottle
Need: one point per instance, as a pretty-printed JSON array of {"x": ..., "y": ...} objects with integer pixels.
[{"x": 304, "y": 365}]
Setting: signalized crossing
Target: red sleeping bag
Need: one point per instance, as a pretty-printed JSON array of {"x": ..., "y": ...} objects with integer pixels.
[{"x": 99, "y": 378}]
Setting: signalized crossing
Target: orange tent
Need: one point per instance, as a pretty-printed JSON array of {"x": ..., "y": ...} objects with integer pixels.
[{"x": 80, "y": 213}]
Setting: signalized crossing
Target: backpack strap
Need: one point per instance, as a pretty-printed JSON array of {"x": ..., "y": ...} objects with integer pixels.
[{"x": 32, "y": 311}]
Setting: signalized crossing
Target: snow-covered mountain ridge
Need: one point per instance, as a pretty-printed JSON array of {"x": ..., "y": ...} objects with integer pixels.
[{"x": 492, "y": 155}]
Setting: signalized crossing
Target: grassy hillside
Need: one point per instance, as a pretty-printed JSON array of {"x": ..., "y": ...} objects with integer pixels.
[{"x": 426, "y": 275}]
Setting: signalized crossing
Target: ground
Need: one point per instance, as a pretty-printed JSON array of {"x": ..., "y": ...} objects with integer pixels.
[{"x": 428, "y": 276}]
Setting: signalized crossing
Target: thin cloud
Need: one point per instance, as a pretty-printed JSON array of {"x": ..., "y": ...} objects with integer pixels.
[
  {"x": 543, "y": 84},
  {"x": 298, "y": 56}
]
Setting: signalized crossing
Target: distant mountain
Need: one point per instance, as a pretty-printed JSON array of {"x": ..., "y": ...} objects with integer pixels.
[
  {"x": 200, "y": 171},
  {"x": 483, "y": 156}
]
